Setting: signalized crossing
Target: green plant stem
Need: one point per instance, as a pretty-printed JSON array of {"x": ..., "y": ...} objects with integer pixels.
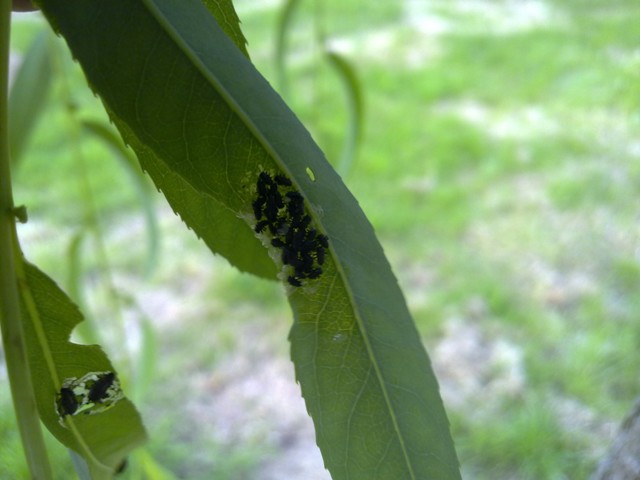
[{"x": 10, "y": 319}]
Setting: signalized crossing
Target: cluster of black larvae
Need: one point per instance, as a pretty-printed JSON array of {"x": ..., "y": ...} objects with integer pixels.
[{"x": 279, "y": 208}]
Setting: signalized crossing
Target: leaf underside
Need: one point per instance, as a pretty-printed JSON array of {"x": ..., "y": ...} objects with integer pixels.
[
  {"x": 103, "y": 440},
  {"x": 204, "y": 124}
]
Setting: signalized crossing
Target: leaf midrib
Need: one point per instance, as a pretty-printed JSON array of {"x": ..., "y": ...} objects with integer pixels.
[
  {"x": 230, "y": 100},
  {"x": 47, "y": 354}
]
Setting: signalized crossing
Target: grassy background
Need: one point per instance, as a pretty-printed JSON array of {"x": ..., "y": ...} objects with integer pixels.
[{"x": 499, "y": 166}]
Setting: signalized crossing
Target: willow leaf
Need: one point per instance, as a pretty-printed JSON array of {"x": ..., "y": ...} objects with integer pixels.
[
  {"x": 140, "y": 184},
  {"x": 283, "y": 30},
  {"x": 355, "y": 107},
  {"x": 199, "y": 116},
  {"x": 104, "y": 439},
  {"x": 28, "y": 94}
]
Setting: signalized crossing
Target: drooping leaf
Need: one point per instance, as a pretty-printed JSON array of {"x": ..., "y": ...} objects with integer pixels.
[
  {"x": 146, "y": 361},
  {"x": 139, "y": 184},
  {"x": 103, "y": 439},
  {"x": 28, "y": 94},
  {"x": 202, "y": 119},
  {"x": 355, "y": 107},
  {"x": 283, "y": 29},
  {"x": 86, "y": 331},
  {"x": 345, "y": 73}
]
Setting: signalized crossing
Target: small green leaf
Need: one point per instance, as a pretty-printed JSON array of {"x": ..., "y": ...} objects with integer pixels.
[{"x": 103, "y": 439}]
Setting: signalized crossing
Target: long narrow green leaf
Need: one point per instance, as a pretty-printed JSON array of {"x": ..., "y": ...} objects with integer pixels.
[
  {"x": 86, "y": 330},
  {"x": 28, "y": 94},
  {"x": 103, "y": 439},
  {"x": 283, "y": 29},
  {"x": 355, "y": 107},
  {"x": 139, "y": 183},
  {"x": 146, "y": 361},
  {"x": 200, "y": 116}
]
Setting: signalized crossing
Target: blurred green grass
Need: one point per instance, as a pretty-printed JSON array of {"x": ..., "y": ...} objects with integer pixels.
[{"x": 499, "y": 167}]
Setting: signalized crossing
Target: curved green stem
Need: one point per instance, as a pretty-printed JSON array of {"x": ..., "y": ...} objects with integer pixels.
[{"x": 10, "y": 319}]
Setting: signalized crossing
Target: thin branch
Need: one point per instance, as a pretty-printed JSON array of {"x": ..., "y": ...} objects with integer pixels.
[{"x": 10, "y": 319}]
